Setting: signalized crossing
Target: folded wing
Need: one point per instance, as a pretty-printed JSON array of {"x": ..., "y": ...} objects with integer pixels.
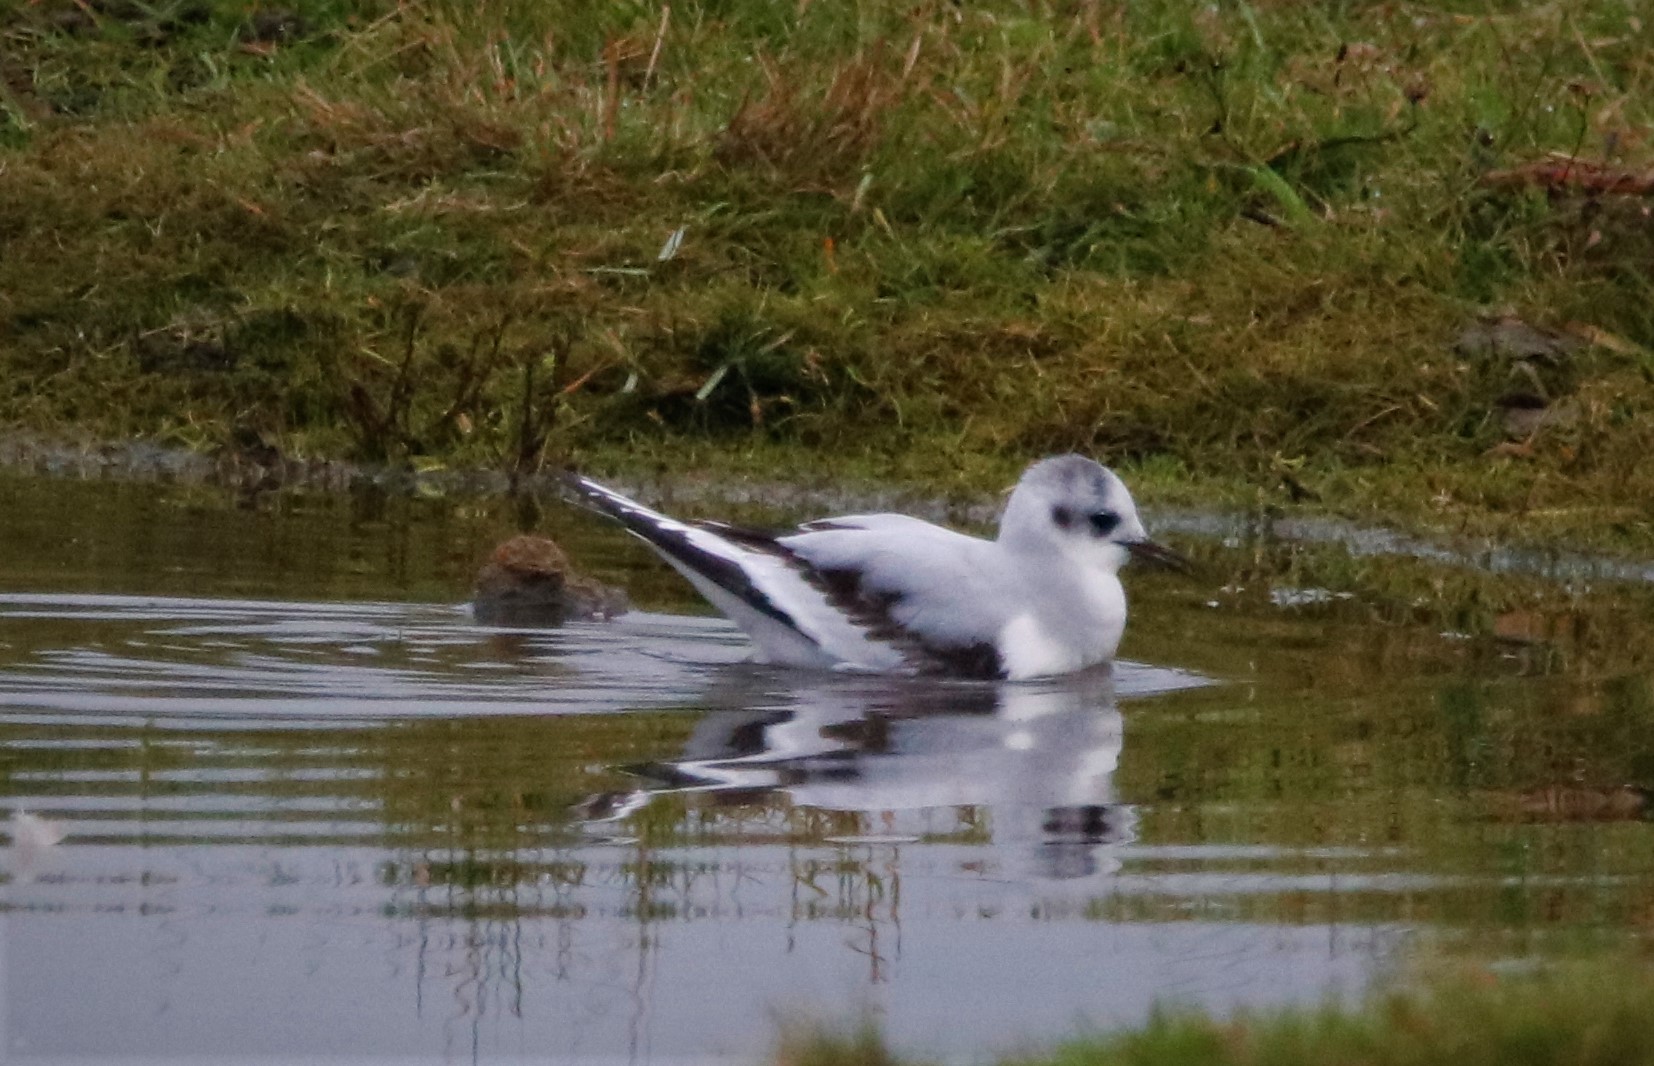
[{"x": 932, "y": 593}]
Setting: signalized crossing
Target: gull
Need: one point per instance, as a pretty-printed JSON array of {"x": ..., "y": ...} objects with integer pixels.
[{"x": 890, "y": 593}]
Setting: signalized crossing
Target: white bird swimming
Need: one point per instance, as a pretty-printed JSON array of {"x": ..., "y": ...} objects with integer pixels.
[{"x": 895, "y": 594}]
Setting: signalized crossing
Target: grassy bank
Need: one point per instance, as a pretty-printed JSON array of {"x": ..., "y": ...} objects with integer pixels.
[
  {"x": 1271, "y": 252},
  {"x": 1578, "y": 1015}
]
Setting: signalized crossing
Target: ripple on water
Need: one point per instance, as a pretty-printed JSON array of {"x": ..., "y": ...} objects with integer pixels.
[{"x": 379, "y": 826}]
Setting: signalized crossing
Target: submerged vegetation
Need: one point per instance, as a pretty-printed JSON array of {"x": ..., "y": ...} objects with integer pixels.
[
  {"x": 1269, "y": 252},
  {"x": 1573, "y": 1015}
]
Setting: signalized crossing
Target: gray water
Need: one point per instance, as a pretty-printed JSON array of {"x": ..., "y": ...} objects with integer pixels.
[{"x": 313, "y": 809}]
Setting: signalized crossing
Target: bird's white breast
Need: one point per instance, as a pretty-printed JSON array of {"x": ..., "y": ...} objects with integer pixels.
[
  {"x": 1028, "y": 648},
  {"x": 1066, "y": 636},
  {"x": 1106, "y": 598}
]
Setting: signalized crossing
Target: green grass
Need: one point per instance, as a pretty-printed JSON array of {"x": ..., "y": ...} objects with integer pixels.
[
  {"x": 1587, "y": 1014},
  {"x": 1228, "y": 248}
]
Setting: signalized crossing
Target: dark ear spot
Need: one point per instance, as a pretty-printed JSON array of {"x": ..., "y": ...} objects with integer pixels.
[
  {"x": 1063, "y": 517},
  {"x": 1103, "y": 522}
]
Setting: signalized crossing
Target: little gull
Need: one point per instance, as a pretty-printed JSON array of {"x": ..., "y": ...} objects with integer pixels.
[{"x": 895, "y": 594}]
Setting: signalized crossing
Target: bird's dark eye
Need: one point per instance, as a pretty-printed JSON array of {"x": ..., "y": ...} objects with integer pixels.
[
  {"x": 1062, "y": 516},
  {"x": 1103, "y": 522}
]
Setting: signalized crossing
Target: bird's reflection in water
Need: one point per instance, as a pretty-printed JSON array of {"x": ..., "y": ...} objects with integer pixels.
[{"x": 1037, "y": 758}]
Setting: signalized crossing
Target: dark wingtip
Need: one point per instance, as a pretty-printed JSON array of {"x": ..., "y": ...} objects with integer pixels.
[
  {"x": 572, "y": 482},
  {"x": 578, "y": 490}
]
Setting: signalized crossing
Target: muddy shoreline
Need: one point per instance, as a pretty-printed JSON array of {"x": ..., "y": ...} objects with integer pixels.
[{"x": 249, "y": 476}]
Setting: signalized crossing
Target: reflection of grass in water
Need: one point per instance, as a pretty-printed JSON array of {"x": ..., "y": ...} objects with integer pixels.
[
  {"x": 1521, "y": 803},
  {"x": 503, "y": 784},
  {"x": 1583, "y": 1014},
  {"x": 690, "y": 818},
  {"x": 1350, "y": 611}
]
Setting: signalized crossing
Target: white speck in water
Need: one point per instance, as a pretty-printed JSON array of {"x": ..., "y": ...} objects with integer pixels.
[
  {"x": 1292, "y": 597},
  {"x": 30, "y": 831}
]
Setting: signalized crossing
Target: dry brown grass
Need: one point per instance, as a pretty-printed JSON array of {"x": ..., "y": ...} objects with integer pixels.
[{"x": 1214, "y": 243}]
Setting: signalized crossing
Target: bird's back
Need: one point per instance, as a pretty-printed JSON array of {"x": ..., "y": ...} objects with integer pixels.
[
  {"x": 962, "y": 605},
  {"x": 938, "y": 597}
]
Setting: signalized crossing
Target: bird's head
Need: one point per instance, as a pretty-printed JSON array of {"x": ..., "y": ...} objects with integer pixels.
[{"x": 1080, "y": 508}]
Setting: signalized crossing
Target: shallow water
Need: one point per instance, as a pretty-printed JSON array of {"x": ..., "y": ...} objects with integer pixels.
[{"x": 313, "y": 809}]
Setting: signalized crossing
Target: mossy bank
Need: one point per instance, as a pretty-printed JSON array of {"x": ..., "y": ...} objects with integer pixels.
[
  {"x": 1264, "y": 252},
  {"x": 1580, "y": 1014}
]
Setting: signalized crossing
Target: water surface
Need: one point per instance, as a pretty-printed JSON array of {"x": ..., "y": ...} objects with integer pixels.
[{"x": 313, "y": 809}]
